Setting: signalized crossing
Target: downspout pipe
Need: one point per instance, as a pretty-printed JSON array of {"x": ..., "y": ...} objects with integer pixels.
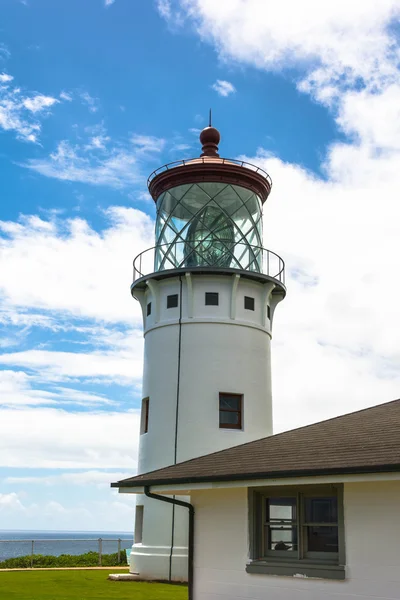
[{"x": 189, "y": 506}]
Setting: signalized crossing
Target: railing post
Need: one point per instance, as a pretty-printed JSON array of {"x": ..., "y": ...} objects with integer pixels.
[
  {"x": 119, "y": 550},
  {"x": 100, "y": 550},
  {"x": 32, "y": 551}
]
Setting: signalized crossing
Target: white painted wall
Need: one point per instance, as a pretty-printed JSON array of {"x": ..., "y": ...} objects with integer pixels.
[
  {"x": 372, "y": 533},
  {"x": 224, "y": 348}
]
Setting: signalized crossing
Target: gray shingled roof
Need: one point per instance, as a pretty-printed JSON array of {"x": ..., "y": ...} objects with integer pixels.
[{"x": 360, "y": 442}]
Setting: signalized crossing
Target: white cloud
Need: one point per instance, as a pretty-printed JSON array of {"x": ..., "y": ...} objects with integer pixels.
[
  {"x": 17, "y": 389},
  {"x": 99, "y": 479},
  {"x": 53, "y": 259},
  {"x": 223, "y": 88},
  {"x": 4, "y": 52},
  {"x": 5, "y": 78},
  {"x": 143, "y": 196},
  {"x": 91, "y": 102},
  {"x": 335, "y": 346},
  {"x": 108, "y": 2},
  {"x": 122, "y": 366},
  {"x": 98, "y": 161},
  {"x": 104, "y": 511},
  {"x": 98, "y": 142},
  {"x": 148, "y": 143},
  {"x": 10, "y": 502},
  {"x": 72, "y": 163},
  {"x": 68, "y": 440},
  {"x": 335, "y": 43},
  {"x": 19, "y": 112},
  {"x": 38, "y": 103},
  {"x": 62, "y": 300},
  {"x": 66, "y": 96},
  {"x": 374, "y": 119},
  {"x": 180, "y": 147},
  {"x": 164, "y": 8},
  {"x": 172, "y": 14}
]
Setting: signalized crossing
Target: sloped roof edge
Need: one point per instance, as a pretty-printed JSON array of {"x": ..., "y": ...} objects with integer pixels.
[{"x": 364, "y": 441}]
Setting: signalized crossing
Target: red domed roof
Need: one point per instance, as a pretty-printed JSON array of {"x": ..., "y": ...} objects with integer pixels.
[{"x": 209, "y": 167}]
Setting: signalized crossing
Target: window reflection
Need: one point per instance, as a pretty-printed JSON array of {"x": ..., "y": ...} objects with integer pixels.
[{"x": 281, "y": 527}]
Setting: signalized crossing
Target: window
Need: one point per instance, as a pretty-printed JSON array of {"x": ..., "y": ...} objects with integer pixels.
[
  {"x": 248, "y": 303},
  {"x": 269, "y": 312},
  {"x": 139, "y": 514},
  {"x": 297, "y": 531},
  {"x": 212, "y": 299},
  {"x": 144, "y": 417},
  {"x": 149, "y": 309},
  {"x": 172, "y": 301},
  {"x": 230, "y": 411}
]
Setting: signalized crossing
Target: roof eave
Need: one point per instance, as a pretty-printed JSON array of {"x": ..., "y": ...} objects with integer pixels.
[{"x": 385, "y": 468}]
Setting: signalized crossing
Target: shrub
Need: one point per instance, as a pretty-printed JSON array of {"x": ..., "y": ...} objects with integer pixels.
[{"x": 89, "y": 559}]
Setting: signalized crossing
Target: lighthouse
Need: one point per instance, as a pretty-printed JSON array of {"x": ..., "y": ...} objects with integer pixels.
[{"x": 208, "y": 291}]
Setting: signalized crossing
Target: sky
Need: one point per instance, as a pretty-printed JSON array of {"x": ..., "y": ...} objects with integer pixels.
[{"x": 94, "y": 96}]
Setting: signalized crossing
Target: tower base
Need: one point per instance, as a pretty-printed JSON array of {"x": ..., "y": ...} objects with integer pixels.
[{"x": 158, "y": 564}]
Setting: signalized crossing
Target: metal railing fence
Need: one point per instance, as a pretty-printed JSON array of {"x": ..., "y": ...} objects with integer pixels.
[
  {"x": 240, "y": 256},
  {"x": 18, "y": 548},
  {"x": 206, "y": 160}
]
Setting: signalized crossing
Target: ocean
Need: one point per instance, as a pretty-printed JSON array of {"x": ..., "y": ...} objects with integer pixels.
[{"x": 60, "y": 542}]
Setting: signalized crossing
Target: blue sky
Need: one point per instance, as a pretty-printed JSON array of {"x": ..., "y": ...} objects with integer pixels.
[{"x": 94, "y": 95}]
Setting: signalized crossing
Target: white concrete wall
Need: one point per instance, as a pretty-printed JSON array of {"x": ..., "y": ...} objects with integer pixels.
[
  {"x": 224, "y": 348},
  {"x": 372, "y": 533},
  {"x": 218, "y": 354}
]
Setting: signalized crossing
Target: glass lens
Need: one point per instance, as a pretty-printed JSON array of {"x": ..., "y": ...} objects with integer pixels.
[{"x": 208, "y": 224}]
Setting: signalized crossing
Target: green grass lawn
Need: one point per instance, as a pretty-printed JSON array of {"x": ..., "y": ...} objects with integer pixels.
[{"x": 82, "y": 585}]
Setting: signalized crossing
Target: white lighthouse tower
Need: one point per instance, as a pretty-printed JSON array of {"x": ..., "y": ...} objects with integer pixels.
[{"x": 208, "y": 290}]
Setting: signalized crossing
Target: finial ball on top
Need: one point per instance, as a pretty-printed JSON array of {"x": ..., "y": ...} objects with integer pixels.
[{"x": 209, "y": 139}]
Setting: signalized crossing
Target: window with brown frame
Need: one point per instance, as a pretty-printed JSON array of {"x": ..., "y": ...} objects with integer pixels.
[
  {"x": 144, "y": 418},
  {"x": 230, "y": 411}
]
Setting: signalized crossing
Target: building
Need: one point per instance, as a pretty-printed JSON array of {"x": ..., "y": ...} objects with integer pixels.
[
  {"x": 208, "y": 291},
  {"x": 311, "y": 513}
]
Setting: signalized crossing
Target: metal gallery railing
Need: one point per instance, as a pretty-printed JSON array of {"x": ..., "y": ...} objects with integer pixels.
[
  {"x": 206, "y": 160},
  {"x": 218, "y": 254},
  {"x": 31, "y": 548}
]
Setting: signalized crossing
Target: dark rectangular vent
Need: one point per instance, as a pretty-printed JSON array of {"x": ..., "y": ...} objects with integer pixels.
[
  {"x": 269, "y": 312},
  {"x": 212, "y": 299},
  {"x": 172, "y": 301},
  {"x": 149, "y": 309},
  {"x": 248, "y": 303}
]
